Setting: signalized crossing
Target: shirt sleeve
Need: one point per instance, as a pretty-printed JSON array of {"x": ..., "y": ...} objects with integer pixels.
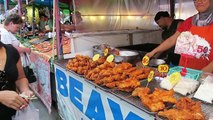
[
  {"x": 14, "y": 40},
  {"x": 185, "y": 26},
  {"x": 8, "y": 38}
]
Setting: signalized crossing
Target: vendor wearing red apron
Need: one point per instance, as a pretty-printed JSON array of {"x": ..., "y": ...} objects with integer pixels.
[{"x": 200, "y": 24}]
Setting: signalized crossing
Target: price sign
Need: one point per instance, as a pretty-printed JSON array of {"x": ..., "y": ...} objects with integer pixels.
[
  {"x": 193, "y": 45},
  {"x": 96, "y": 57},
  {"x": 145, "y": 60},
  {"x": 110, "y": 58},
  {"x": 174, "y": 78},
  {"x": 203, "y": 50},
  {"x": 163, "y": 68},
  {"x": 150, "y": 76},
  {"x": 106, "y": 51}
]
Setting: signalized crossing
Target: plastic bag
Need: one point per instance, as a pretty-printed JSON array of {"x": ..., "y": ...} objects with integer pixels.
[
  {"x": 25, "y": 59},
  {"x": 29, "y": 113}
]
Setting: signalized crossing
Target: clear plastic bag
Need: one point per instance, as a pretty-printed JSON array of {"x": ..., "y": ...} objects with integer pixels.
[{"x": 28, "y": 113}]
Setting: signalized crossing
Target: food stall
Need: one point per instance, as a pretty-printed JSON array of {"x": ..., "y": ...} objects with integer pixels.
[
  {"x": 81, "y": 98},
  {"x": 81, "y": 93}
]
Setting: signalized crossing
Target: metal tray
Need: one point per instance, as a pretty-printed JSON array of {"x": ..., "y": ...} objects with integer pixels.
[
  {"x": 135, "y": 101},
  {"x": 40, "y": 40},
  {"x": 156, "y": 84},
  {"x": 104, "y": 88}
]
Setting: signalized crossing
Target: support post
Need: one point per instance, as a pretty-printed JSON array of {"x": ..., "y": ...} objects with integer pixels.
[{"x": 172, "y": 8}]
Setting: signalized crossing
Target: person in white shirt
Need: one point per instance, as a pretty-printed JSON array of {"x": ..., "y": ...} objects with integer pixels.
[{"x": 11, "y": 25}]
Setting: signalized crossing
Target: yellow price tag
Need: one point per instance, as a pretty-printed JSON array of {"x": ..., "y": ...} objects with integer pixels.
[
  {"x": 150, "y": 76},
  {"x": 163, "y": 68},
  {"x": 110, "y": 58},
  {"x": 174, "y": 78},
  {"x": 145, "y": 60},
  {"x": 96, "y": 57},
  {"x": 106, "y": 51}
]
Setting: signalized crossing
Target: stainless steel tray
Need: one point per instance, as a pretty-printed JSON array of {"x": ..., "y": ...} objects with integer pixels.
[{"x": 135, "y": 101}]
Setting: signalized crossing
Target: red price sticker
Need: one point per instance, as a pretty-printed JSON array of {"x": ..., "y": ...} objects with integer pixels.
[
  {"x": 150, "y": 76},
  {"x": 145, "y": 60},
  {"x": 163, "y": 68}
]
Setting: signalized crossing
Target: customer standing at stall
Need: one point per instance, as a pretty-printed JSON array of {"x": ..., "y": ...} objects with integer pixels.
[
  {"x": 12, "y": 25},
  {"x": 169, "y": 27},
  {"x": 42, "y": 22},
  {"x": 11, "y": 78},
  {"x": 200, "y": 24}
]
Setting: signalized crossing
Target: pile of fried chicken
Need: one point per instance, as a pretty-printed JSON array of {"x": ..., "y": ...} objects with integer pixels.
[
  {"x": 186, "y": 109},
  {"x": 81, "y": 64},
  {"x": 155, "y": 101},
  {"x": 123, "y": 76}
]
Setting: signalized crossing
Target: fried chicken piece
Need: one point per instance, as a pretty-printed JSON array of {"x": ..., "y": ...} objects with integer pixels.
[
  {"x": 174, "y": 114},
  {"x": 98, "y": 81},
  {"x": 141, "y": 91},
  {"x": 102, "y": 66},
  {"x": 123, "y": 76},
  {"x": 154, "y": 106},
  {"x": 155, "y": 101},
  {"x": 117, "y": 70},
  {"x": 136, "y": 73},
  {"x": 142, "y": 76},
  {"x": 129, "y": 83},
  {"x": 187, "y": 109},
  {"x": 112, "y": 84},
  {"x": 105, "y": 73},
  {"x": 107, "y": 80},
  {"x": 101, "y": 60},
  {"x": 128, "y": 71},
  {"x": 111, "y": 64},
  {"x": 163, "y": 95},
  {"x": 188, "y": 103},
  {"x": 73, "y": 69},
  {"x": 127, "y": 89},
  {"x": 116, "y": 77},
  {"x": 124, "y": 65},
  {"x": 169, "y": 99}
]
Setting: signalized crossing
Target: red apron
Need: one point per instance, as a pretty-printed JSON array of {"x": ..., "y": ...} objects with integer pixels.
[{"x": 204, "y": 32}]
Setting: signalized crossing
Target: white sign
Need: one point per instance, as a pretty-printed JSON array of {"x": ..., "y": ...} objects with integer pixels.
[{"x": 192, "y": 45}]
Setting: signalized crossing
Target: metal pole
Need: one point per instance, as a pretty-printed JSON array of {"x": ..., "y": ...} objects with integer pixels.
[
  {"x": 20, "y": 7},
  {"x": 58, "y": 32},
  {"x": 5, "y": 6},
  {"x": 33, "y": 20},
  {"x": 172, "y": 8}
]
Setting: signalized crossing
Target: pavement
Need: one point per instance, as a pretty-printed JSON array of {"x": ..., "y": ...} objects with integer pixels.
[{"x": 43, "y": 112}]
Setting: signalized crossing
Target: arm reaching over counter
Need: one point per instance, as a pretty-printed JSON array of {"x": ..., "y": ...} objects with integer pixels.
[{"x": 168, "y": 43}]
